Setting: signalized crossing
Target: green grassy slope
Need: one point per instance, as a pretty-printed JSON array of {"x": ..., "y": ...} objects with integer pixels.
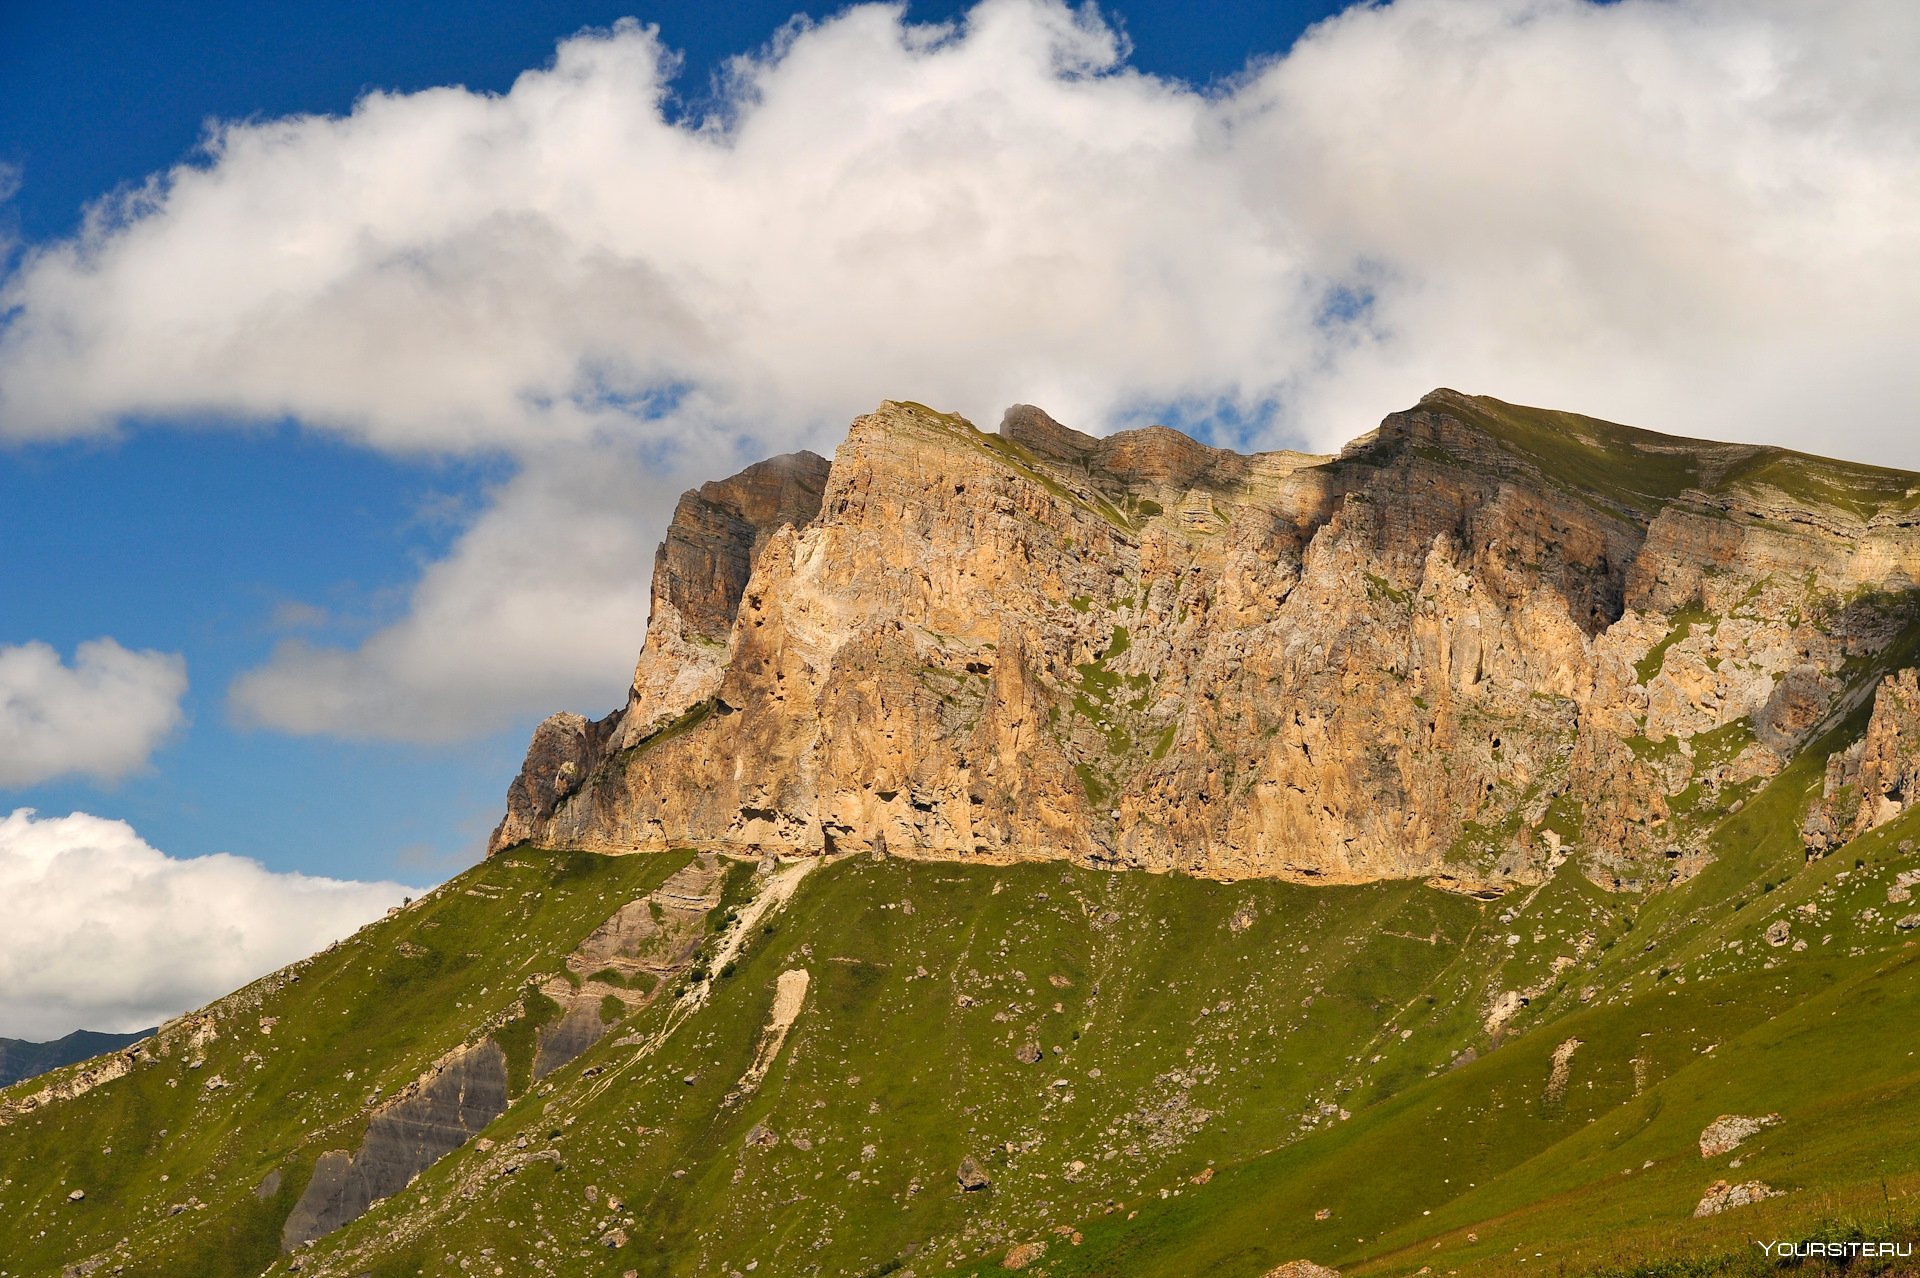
[
  {"x": 1485, "y": 1171},
  {"x": 1228, "y": 1076},
  {"x": 295, "y": 1061},
  {"x": 1170, "y": 1039}
]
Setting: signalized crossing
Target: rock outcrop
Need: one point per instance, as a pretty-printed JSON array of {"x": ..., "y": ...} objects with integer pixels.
[
  {"x": 459, "y": 1096},
  {"x": 628, "y": 959},
  {"x": 1876, "y": 778},
  {"x": 1724, "y": 1196},
  {"x": 1481, "y": 640},
  {"x": 699, "y": 574},
  {"x": 1729, "y": 1131},
  {"x": 1302, "y": 1269}
]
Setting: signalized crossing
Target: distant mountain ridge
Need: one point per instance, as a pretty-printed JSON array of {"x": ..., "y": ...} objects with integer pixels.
[{"x": 20, "y": 1059}]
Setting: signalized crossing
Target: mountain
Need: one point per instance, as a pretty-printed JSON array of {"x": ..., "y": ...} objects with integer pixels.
[
  {"x": 1480, "y": 641},
  {"x": 20, "y": 1059},
  {"x": 1491, "y": 847}
]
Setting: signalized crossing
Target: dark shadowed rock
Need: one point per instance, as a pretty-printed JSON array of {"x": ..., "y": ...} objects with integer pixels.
[
  {"x": 464, "y": 1094},
  {"x": 562, "y": 1042}
]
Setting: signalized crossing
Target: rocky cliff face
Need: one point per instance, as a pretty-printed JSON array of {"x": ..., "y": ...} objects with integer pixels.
[
  {"x": 1876, "y": 778},
  {"x": 1480, "y": 640},
  {"x": 699, "y": 574}
]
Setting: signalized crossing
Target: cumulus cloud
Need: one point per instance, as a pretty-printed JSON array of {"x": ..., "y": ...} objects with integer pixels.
[
  {"x": 1690, "y": 214},
  {"x": 101, "y": 717},
  {"x": 99, "y": 930},
  {"x": 539, "y": 605}
]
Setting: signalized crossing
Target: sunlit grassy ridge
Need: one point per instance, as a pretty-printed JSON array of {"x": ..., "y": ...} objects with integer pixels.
[{"x": 1643, "y": 470}]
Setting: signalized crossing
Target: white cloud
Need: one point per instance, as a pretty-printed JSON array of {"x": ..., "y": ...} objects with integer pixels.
[
  {"x": 540, "y": 605},
  {"x": 1691, "y": 214},
  {"x": 101, "y": 717},
  {"x": 99, "y": 930}
]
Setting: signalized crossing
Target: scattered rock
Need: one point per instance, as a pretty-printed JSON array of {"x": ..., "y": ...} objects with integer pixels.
[
  {"x": 1021, "y": 1255},
  {"x": 1721, "y": 1196},
  {"x": 1029, "y": 1054},
  {"x": 76, "y": 1195},
  {"x": 1302, "y": 1269},
  {"x": 1725, "y": 1133},
  {"x": 763, "y": 1136},
  {"x": 1777, "y": 933},
  {"x": 1505, "y": 1007},
  {"x": 972, "y": 1175}
]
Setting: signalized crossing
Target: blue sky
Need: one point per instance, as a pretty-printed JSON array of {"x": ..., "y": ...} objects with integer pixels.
[
  {"x": 107, "y": 93},
  {"x": 363, "y": 392}
]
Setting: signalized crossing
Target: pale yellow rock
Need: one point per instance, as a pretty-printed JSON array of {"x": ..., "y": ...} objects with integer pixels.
[{"x": 1141, "y": 652}]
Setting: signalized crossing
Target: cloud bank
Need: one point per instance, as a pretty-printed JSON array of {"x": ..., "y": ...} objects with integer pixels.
[
  {"x": 1694, "y": 215},
  {"x": 99, "y": 930},
  {"x": 101, "y": 717}
]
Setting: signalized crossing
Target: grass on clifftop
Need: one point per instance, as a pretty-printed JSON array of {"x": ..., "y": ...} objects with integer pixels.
[
  {"x": 1639, "y": 469},
  {"x": 1644, "y": 470}
]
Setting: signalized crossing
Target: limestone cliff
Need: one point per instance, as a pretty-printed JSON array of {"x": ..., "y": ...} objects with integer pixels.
[
  {"x": 699, "y": 573},
  {"x": 1481, "y": 639},
  {"x": 1876, "y": 778}
]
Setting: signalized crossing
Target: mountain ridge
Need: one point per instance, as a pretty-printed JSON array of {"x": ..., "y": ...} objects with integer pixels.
[
  {"x": 1593, "y": 947},
  {"x": 1099, "y": 621},
  {"x": 21, "y": 1059}
]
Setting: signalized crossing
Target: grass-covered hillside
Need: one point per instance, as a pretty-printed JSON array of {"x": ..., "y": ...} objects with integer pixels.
[{"x": 1139, "y": 1074}]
